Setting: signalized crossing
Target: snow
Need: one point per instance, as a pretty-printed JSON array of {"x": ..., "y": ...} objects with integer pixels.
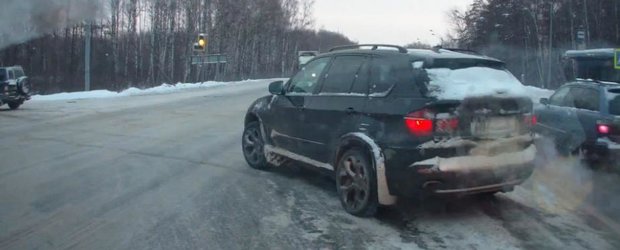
[
  {"x": 537, "y": 93},
  {"x": 472, "y": 163},
  {"x": 283, "y": 152},
  {"x": 458, "y": 84},
  {"x": 162, "y": 89}
]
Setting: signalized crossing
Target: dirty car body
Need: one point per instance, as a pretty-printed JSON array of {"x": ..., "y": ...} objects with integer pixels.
[
  {"x": 583, "y": 116},
  {"x": 384, "y": 103}
]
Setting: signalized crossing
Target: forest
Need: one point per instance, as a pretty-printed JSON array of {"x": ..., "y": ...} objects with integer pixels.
[
  {"x": 532, "y": 35},
  {"x": 143, "y": 43}
]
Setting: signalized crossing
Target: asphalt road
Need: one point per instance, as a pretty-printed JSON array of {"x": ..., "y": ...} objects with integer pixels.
[{"x": 166, "y": 172}]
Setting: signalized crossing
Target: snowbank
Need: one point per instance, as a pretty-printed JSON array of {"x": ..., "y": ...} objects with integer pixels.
[{"x": 162, "y": 89}]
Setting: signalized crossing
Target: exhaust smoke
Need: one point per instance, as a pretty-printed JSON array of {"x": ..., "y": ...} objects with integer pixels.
[{"x": 22, "y": 20}]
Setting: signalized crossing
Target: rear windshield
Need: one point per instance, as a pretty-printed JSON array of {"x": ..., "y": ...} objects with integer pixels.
[
  {"x": 614, "y": 101},
  {"x": 597, "y": 69},
  {"x": 2, "y": 75},
  {"x": 460, "y": 80}
]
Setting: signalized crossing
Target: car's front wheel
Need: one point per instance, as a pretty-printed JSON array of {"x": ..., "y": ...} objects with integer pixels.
[
  {"x": 356, "y": 183},
  {"x": 253, "y": 146}
]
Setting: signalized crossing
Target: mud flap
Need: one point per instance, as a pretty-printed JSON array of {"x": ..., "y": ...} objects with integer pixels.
[{"x": 383, "y": 192}]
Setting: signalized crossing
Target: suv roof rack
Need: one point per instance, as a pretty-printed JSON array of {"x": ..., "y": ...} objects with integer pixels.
[
  {"x": 373, "y": 47},
  {"x": 464, "y": 51}
]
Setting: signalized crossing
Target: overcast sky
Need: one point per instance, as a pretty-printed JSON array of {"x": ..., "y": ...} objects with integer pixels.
[{"x": 387, "y": 21}]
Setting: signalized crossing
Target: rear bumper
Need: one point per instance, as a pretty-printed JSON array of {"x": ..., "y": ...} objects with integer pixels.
[
  {"x": 602, "y": 149},
  {"x": 9, "y": 93},
  {"x": 467, "y": 174}
]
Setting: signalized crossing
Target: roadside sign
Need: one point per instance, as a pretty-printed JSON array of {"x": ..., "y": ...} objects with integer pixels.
[
  {"x": 196, "y": 60},
  {"x": 617, "y": 59},
  {"x": 209, "y": 59},
  {"x": 216, "y": 58}
]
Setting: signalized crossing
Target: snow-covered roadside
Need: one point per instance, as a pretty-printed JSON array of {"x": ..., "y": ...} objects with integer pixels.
[
  {"x": 532, "y": 92},
  {"x": 162, "y": 89}
]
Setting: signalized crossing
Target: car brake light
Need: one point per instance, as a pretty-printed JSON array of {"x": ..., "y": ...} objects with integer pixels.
[
  {"x": 603, "y": 129},
  {"x": 420, "y": 123},
  {"x": 530, "y": 120}
]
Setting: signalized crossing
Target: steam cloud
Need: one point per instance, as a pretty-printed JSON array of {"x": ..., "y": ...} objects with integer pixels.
[{"x": 22, "y": 20}]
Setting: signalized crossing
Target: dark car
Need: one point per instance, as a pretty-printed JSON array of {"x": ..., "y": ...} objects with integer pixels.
[
  {"x": 374, "y": 120},
  {"x": 14, "y": 88},
  {"x": 583, "y": 116}
]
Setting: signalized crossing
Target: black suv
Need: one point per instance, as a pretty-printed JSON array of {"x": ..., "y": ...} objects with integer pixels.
[
  {"x": 386, "y": 122},
  {"x": 14, "y": 88}
]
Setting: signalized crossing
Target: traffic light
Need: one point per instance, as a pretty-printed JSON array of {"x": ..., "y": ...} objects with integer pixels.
[{"x": 201, "y": 43}]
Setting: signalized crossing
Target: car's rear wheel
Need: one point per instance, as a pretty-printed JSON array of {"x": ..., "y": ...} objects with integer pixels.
[
  {"x": 253, "y": 146},
  {"x": 14, "y": 105},
  {"x": 356, "y": 183}
]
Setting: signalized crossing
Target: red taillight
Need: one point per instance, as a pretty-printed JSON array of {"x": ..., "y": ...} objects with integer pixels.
[
  {"x": 420, "y": 123},
  {"x": 530, "y": 120},
  {"x": 603, "y": 129}
]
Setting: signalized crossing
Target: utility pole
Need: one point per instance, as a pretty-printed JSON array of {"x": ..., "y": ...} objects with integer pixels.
[
  {"x": 585, "y": 13},
  {"x": 87, "y": 56},
  {"x": 551, "y": 15}
]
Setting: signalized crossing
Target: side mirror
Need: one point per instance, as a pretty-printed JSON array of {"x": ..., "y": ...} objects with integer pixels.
[
  {"x": 544, "y": 101},
  {"x": 276, "y": 88}
]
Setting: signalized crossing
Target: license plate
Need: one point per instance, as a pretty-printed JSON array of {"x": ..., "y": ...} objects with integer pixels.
[{"x": 493, "y": 127}]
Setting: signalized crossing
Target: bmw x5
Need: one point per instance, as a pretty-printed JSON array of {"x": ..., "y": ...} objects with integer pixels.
[{"x": 387, "y": 122}]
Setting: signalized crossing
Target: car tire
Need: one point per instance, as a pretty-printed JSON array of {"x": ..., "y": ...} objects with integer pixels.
[
  {"x": 252, "y": 145},
  {"x": 356, "y": 183},
  {"x": 14, "y": 105}
]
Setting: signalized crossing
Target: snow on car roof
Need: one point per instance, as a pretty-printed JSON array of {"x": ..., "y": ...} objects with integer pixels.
[
  {"x": 458, "y": 84},
  {"x": 604, "y": 53}
]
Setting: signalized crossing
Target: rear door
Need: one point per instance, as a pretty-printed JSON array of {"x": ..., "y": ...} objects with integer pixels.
[
  {"x": 336, "y": 109},
  {"x": 588, "y": 106},
  {"x": 613, "y": 109},
  {"x": 552, "y": 116},
  {"x": 288, "y": 112},
  {"x": 558, "y": 118}
]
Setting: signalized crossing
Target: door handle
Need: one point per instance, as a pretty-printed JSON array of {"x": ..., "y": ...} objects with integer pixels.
[{"x": 350, "y": 111}]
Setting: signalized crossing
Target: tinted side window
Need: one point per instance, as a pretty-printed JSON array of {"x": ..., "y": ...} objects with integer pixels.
[
  {"x": 11, "y": 75},
  {"x": 558, "y": 98},
  {"x": 585, "y": 98},
  {"x": 360, "y": 86},
  {"x": 614, "y": 104},
  {"x": 382, "y": 76},
  {"x": 342, "y": 73},
  {"x": 308, "y": 78},
  {"x": 19, "y": 73}
]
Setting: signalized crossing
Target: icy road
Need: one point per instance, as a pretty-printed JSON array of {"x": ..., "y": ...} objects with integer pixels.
[{"x": 165, "y": 171}]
